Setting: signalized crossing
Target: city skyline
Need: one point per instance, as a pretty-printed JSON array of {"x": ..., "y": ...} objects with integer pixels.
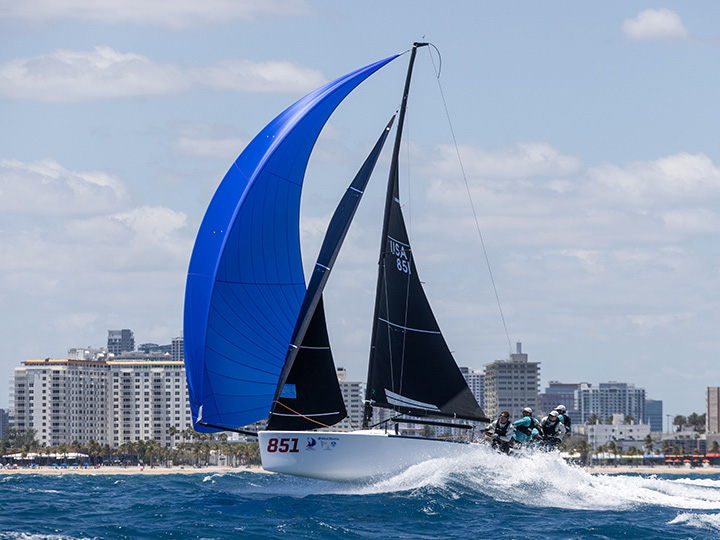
[
  {"x": 543, "y": 403},
  {"x": 587, "y": 135}
]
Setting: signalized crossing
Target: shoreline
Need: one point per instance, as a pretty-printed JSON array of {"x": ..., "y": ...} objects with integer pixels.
[
  {"x": 109, "y": 470},
  {"x": 257, "y": 469},
  {"x": 650, "y": 469}
]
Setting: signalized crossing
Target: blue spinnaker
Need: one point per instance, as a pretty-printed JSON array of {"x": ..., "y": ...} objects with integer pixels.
[{"x": 245, "y": 282}]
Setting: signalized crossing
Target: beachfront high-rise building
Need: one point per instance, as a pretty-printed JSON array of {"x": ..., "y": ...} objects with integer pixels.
[
  {"x": 62, "y": 400},
  {"x": 147, "y": 398},
  {"x": 511, "y": 385},
  {"x": 353, "y": 395},
  {"x": 109, "y": 401},
  {"x": 654, "y": 414},
  {"x": 119, "y": 341},
  {"x": 475, "y": 379},
  {"x": 610, "y": 398},
  {"x": 558, "y": 393},
  {"x": 177, "y": 350},
  {"x": 712, "y": 409},
  {"x": 4, "y": 422}
]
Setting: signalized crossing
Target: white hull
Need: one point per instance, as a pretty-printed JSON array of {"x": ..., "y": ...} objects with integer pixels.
[{"x": 356, "y": 455}]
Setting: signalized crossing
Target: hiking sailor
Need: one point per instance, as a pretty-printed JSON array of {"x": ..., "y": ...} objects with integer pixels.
[
  {"x": 552, "y": 430},
  {"x": 526, "y": 428},
  {"x": 501, "y": 432},
  {"x": 565, "y": 418}
]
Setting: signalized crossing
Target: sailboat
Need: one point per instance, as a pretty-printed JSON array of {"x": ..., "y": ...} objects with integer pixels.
[{"x": 255, "y": 335}]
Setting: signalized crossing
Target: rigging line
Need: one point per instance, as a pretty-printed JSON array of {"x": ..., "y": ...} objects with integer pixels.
[
  {"x": 472, "y": 204},
  {"x": 307, "y": 418}
]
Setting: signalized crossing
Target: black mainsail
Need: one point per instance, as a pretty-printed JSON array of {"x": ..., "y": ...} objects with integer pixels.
[
  {"x": 411, "y": 368},
  {"x": 308, "y": 394}
]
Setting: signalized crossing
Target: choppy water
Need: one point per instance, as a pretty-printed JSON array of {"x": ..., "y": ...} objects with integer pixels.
[{"x": 480, "y": 496}]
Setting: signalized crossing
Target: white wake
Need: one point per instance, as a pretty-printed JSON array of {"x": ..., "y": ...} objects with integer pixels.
[{"x": 546, "y": 480}]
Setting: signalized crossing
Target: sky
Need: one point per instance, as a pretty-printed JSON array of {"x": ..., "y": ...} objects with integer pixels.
[{"x": 587, "y": 140}]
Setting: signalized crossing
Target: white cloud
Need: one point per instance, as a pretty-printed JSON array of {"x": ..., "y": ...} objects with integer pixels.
[
  {"x": 104, "y": 73},
  {"x": 666, "y": 180},
  {"x": 692, "y": 221},
  {"x": 524, "y": 160},
  {"x": 45, "y": 188},
  {"x": 206, "y": 141},
  {"x": 175, "y": 14},
  {"x": 659, "y": 23},
  {"x": 156, "y": 225},
  {"x": 250, "y": 76}
]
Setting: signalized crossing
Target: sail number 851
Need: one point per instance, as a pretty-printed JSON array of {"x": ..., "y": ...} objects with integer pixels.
[
  {"x": 282, "y": 445},
  {"x": 403, "y": 266},
  {"x": 402, "y": 259}
]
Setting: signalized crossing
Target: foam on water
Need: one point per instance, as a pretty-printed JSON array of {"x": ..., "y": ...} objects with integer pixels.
[
  {"x": 546, "y": 480},
  {"x": 699, "y": 521},
  {"x": 26, "y": 536}
]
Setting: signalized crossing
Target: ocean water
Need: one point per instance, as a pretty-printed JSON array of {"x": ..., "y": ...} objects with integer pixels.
[{"x": 484, "y": 495}]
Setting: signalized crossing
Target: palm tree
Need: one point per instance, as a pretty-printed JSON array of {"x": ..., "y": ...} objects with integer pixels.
[
  {"x": 584, "y": 449},
  {"x": 254, "y": 453},
  {"x": 94, "y": 449},
  {"x": 612, "y": 447},
  {"x": 679, "y": 421},
  {"x": 172, "y": 431},
  {"x": 63, "y": 449}
]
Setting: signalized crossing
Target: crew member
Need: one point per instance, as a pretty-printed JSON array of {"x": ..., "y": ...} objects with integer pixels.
[
  {"x": 526, "y": 427},
  {"x": 565, "y": 418},
  {"x": 501, "y": 433},
  {"x": 552, "y": 430}
]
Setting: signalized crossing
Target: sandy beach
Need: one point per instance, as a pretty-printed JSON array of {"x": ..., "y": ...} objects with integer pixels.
[
  {"x": 659, "y": 469},
  {"x": 648, "y": 470},
  {"x": 134, "y": 470}
]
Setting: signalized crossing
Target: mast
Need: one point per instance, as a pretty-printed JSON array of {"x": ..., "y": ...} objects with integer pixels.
[
  {"x": 392, "y": 192},
  {"x": 310, "y": 345}
]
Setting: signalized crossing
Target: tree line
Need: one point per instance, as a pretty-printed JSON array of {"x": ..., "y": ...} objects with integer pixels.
[{"x": 195, "y": 449}]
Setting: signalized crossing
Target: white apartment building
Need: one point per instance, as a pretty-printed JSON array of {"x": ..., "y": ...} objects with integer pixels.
[
  {"x": 624, "y": 435},
  {"x": 111, "y": 402},
  {"x": 147, "y": 398},
  {"x": 511, "y": 385},
  {"x": 62, "y": 400},
  {"x": 475, "y": 379},
  {"x": 610, "y": 398},
  {"x": 353, "y": 395}
]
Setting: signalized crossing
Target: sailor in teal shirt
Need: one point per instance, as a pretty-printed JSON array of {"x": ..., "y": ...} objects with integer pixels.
[{"x": 526, "y": 427}]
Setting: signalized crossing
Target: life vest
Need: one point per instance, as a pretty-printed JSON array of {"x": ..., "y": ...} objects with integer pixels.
[
  {"x": 549, "y": 427},
  {"x": 527, "y": 430},
  {"x": 501, "y": 431}
]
